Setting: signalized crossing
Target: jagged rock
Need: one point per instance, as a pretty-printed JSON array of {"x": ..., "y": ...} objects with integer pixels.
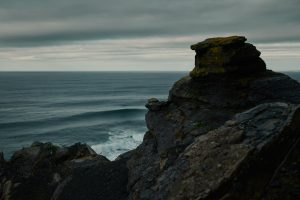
[
  {"x": 237, "y": 161},
  {"x": 2, "y": 160},
  {"x": 196, "y": 106},
  {"x": 234, "y": 161},
  {"x": 154, "y": 104},
  {"x": 285, "y": 183},
  {"x": 2, "y": 166},
  {"x": 229, "y": 55},
  {"x": 237, "y": 93},
  {"x": 62, "y": 173}
]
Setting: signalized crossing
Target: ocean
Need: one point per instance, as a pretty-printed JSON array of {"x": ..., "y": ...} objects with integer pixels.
[{"x": 103, "y": 109}]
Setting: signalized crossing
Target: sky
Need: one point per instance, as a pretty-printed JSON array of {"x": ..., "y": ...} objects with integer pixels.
[{"x": 135, "y": 35}]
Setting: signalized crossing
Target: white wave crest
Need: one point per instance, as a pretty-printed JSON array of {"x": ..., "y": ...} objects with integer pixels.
[{"x": 120, "y": 141}]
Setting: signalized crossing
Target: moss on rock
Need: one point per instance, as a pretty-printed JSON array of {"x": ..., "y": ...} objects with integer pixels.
[{"x": 226, "y": 55}]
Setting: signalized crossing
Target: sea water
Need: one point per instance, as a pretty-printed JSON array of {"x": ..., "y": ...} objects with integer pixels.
[{"x": 103, "y": 109}]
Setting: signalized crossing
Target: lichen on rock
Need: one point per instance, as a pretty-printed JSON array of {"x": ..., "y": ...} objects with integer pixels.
[{"x": 229, "y": 55}]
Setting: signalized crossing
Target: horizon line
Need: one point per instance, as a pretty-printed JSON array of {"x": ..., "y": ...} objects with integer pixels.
[
  {"x": 93, "y": 71},
  {"x": 158, "y": 71}
]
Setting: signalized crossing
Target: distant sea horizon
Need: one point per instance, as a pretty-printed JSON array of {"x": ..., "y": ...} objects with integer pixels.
[
  {"x": 120, "y": 71},
  {"x": 104, "y": 109}
]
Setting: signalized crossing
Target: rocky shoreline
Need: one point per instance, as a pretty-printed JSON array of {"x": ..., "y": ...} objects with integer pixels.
[{"x": 229, "y": 130}]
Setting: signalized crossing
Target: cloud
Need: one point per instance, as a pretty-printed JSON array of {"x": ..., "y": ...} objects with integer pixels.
[
  {"x": 136, "y": 54},
  {"x": 36, "y": 22},
  {"x": 140, "y": 34}
]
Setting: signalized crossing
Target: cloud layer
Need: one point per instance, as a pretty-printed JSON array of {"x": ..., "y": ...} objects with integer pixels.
[
  {"x": 34, "y": 22},
  {"x": 137, "y": 32}
]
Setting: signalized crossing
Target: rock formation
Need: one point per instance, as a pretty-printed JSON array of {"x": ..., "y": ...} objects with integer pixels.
[
  {"x": 45, "y": 171},
  {"x": 200, "y": 103},
  {"x": 229, "y": 130},
  {"x": 230, "y": 55}
]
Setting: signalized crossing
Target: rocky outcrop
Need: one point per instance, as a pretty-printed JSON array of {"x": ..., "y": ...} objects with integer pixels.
[
  {"x": 229, "y": 55},
  {"x": 201, "y": 103},
  {"x": 45, "y": 171},
  {"x": 235, "y": 161},
  {"x": 229, "y": 130}
]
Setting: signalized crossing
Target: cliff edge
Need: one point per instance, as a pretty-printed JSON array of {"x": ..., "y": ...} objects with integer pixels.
[{"x": 229, "y": 130}]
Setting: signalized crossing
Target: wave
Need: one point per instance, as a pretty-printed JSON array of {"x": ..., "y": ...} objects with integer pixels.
[
  {"x": 128, "y": 101},
  {"x": 92, "y": 134},
  {"x": 118, "y": 143},
  {"x": 118, "y": 114},
  {"x": 128, "y": 112},
  {"x": 108, "y": 139}
]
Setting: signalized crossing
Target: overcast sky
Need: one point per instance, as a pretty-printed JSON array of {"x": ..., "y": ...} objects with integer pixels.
[{"x": 59, "y": 35}]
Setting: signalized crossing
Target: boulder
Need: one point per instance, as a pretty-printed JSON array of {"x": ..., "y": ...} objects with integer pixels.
[
  {"x": 226, "y": 55},
  {"x": 154, "y": 104},
  {"x": 61, "y": 173}
]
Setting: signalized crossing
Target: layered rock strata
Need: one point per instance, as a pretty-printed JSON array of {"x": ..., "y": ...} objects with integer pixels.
[{"x": 226, "y": 55}]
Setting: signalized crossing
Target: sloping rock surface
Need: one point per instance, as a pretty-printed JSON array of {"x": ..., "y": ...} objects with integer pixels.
[{"x": 234, "y": 161}]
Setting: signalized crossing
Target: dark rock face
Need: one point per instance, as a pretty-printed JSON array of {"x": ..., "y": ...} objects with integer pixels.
[
  {"x": 235, "y": 161},
  {"x": 45, "y": 171},
  {"x": 285, "y": 183},
  {"x": 200, "y": 103},
  {"x": 228, "y": 131},
  {"x": 226, "y": 55},
  {"x": 238, "y": 93}
]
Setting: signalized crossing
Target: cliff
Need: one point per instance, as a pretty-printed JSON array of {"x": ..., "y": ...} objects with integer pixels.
[{"x": 229, "y": 130}]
